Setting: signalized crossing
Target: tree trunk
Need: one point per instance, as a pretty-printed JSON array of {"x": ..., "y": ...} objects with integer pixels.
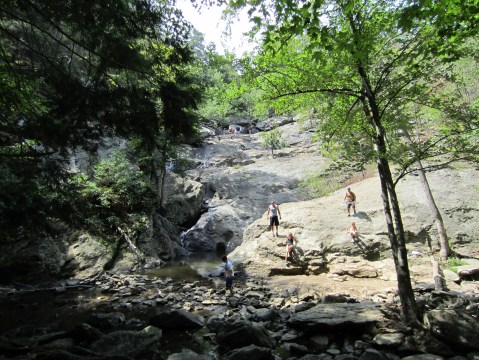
[
  {"x": 441, "y": 229},
  {"x": 130, "y": 244},
  {"x": 388, "y": 192},
  {"x": 398, "y": 243},
  {"x": 443, "y": 241},
  {"x": 436, "y": 273},
  {"x": 391, "y": 203}
]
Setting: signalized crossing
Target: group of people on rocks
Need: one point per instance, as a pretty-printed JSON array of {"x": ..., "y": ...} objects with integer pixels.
[{"x": 274, "y": 215}]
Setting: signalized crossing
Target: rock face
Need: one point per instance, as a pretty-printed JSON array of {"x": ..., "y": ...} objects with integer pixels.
[
  {"x": 183, "y": 200},
  {"x": 241, "y": 179},
  {"x": 324, "y": 245}
]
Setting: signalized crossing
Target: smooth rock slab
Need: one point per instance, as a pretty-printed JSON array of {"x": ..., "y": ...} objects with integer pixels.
[{"x": 336, "y": 316}]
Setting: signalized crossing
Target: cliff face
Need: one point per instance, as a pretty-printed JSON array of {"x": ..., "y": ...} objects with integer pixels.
[{"x": 226, "y": 195}]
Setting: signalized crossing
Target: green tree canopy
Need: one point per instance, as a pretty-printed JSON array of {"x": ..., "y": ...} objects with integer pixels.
[{"x": 72, "y": 73}]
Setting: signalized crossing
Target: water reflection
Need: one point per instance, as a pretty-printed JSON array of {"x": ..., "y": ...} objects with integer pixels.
[{"x": 196, "y": 266}]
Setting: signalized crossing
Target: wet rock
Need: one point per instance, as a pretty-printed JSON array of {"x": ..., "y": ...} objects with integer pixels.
[
  {"x": 423, "y": 357},
  {"x": 187, "y": 354},
  {"x": 76, "y": 354},
  {"x": 265, "y": 314},
  {"x": 373, "y": 354},
  {"x": 128, "y": 343},
  {"x": 320, "y": 342},
  {"x": 251, "y": 352},
  {"x": 425, "y": 343},
  {"x": 107, "y": 321},
  {"x": 454, "y": 327},
  {"x": 393, "y": 339},
  {"x": 85, "y": 333},
  {"x": 177, "y": 319},
  {"x": 241, "y": 333},
  {"x": 215, "y": 323}
]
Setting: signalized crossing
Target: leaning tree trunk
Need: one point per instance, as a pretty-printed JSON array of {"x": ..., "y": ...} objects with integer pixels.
[
  {"x": 445, "y": 249},
  {"x": 441, "y": 229}
]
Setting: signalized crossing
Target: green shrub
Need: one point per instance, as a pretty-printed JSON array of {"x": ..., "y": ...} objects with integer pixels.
[{"x": 453, "y": 263}]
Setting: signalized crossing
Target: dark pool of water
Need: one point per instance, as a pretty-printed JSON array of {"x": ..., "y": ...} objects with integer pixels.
[{"x": 65, "y": 310}]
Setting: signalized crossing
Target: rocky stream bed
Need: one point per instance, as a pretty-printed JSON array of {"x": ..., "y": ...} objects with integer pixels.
[{"x": 145, "y": 317}]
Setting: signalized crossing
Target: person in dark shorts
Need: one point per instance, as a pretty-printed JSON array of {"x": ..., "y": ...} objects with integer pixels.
[
  {"x": 350, "y": 199},
  {"x": 228, "y": 273},
  {"x": 273, "y": 213}
]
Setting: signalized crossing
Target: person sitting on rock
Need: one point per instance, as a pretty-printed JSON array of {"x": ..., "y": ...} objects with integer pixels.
[
  {"x": 353, "y": 231},
  {"x": 290, "y": 238}
]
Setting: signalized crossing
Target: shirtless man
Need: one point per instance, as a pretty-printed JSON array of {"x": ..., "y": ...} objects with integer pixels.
[
  {"x": 273, "y": 212},
  {"x": 350, "y": 199}
]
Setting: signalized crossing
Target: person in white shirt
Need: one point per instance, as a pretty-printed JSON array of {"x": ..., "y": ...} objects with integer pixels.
[{"x": 228, "y": 273}]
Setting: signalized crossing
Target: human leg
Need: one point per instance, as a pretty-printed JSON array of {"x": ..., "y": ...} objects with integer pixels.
[{"x": 229, "y": 283}]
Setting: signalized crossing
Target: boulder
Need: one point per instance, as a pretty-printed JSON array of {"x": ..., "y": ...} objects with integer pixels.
[
  {"x": 346, "y": 316},
  {"x": 183, "y": 200},
  {"x": 251, "y": 352},
  {"x": 241, "y": 333},
  {"x": 128, "y": 343},
  {"x": 454, "y": 327},
  {"x": 177, "y": 319}
]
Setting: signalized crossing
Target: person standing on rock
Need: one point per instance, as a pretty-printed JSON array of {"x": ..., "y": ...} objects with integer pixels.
[
  {"x": 273, "y": 213},
  {"x": 290, "y": 238},
  {"x": 350, "y": 199},
  {"x": 353, "y": 231},
  {"x": 228, "y": 273}
]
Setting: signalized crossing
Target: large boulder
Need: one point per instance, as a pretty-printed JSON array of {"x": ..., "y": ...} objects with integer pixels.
[
  {"x": 454, "y": 327},
  {"x": 346, "y": 316},
  {"x": 183, "y": 200}
]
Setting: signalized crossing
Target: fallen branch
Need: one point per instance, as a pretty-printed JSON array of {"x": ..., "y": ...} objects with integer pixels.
[{"x": 130, "y": 244}]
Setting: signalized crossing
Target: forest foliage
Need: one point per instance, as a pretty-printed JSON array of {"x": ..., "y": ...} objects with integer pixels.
[{"x": 73, "y": 74}]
